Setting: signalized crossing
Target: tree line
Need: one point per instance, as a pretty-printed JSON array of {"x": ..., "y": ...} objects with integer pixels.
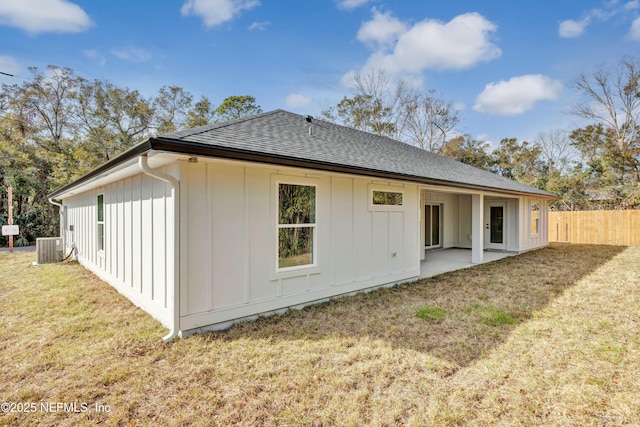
[
  {"x": 596, "y": 166},
  {"x": 57, "y": 126}
]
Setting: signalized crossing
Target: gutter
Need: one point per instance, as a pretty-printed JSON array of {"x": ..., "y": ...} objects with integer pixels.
[
  {"x": 174, "y": 300},
  {"x": 198, "y": 149},
  {"x": 178, "y": 146},
  {"x": 133, "y": 152}
]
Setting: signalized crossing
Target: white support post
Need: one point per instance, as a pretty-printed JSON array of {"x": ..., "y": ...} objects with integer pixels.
[
  {"x": 421, "y": 214},
  {"x": 477, "y": 228}
]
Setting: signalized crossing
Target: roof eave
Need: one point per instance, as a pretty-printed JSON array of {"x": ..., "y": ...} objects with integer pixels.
[
  {"x": 135, "y": 151},
  {"x": 193, "y": 148}
]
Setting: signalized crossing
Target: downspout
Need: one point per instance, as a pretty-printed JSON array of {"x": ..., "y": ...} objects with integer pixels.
[{"x": 174, "y": 329}]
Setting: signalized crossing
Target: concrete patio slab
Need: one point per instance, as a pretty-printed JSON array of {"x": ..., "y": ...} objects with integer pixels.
[{"x": 444, "y": 260}]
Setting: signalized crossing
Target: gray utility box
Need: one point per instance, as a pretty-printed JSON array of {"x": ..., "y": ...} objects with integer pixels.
[{"x": 48, "y": 250}]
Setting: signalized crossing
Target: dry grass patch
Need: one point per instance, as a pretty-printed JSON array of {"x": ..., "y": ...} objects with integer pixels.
[{"x": 548, "y": 337}]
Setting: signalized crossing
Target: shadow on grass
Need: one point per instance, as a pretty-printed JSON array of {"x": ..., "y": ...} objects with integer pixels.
[{"x": 477, "y": 307}]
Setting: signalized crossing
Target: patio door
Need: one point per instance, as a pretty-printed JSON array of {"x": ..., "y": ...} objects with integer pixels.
[
  {"x": 432, "y": 226},
  {"x": 495, "y": 230}
]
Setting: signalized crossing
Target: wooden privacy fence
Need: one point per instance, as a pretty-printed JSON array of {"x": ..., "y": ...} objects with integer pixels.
[{"x": 620, "y": 228}]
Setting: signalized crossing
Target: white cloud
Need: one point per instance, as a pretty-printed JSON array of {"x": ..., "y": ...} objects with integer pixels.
[
  {"x": 460, "y": 43},
  {"x": 216, "y": 12},
  {"x": 634, "y": 31},
  {"x": 260, "y": 26},
  {"x": 632, "y": 5},
  {"x": 9, "y": 65},
  {"x": 41, "y": 16},
  {"x": 459, "y": 106},
  {"x": 407, "y": 51},
  {"x": 382, "y": 30},
  {"x": 571, "y": 28},
  {"x": 517, "y": 95},
  {"x": 297, "y": 100},
  {"x": 132, "y": 54},
  {"x": 94, "y": 54},
  {"x": 350, "y": 4}
]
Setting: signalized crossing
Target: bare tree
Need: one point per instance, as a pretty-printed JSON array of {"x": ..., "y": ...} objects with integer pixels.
[
  {"x": 556, "y": 150},
  {"x": 429, "y": 121},
  {"x": 376, "y": 105},
  {"x": 612, "y": 99},
  {"x": 382, "y": 106}
]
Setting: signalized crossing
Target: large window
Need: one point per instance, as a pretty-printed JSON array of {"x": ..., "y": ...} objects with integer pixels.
[
  {"x": 296, "y": 225},
  {"x": 100, "y": 230},
  {"x": 535, "y": 218}
]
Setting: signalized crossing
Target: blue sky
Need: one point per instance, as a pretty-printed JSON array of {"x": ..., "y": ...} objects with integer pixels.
[{"x": 507, "y": 65}]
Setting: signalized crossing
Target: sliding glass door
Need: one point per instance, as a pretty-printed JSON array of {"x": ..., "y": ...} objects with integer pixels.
[{"x": 432, "y": 226}]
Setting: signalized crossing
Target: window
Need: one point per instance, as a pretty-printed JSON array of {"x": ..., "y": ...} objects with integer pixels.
[
  {"x": 100, "y": 223},
  {"x": 296, "y": 225},
  {"x": 535, "y": 218},
  {"x": 387, "y": 198}
]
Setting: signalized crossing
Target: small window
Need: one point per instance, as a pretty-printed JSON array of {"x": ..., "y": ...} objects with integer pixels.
[
  {"x": 535, "y": 218},
  {"x": 296, "y": 225},
  {"x": 100, "y": 223},
  {"x": 386, "y": 198}
]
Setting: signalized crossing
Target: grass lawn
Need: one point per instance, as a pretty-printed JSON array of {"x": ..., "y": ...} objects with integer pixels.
[{"x": 550, "y": 337}]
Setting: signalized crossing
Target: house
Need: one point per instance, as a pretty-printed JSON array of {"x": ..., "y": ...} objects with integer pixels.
[{"x": 207, "y": 226}]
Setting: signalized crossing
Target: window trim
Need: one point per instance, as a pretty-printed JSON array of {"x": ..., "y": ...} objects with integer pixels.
[
  {"x": 534, "y": 202},
  {"x": 297, "y": 270},
  {"x": 387, "y": 189},
  {"x": 100, "y": 238}
]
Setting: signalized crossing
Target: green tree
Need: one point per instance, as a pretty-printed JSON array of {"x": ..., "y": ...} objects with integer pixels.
[
  {"x": 202, "y": 113},
  {"x": 171, "y": 108},
  {"x": 41, "y": 116},
  {"x": 110, "y": 120},
  {"x": 367, "y": 113},
  {"x": 235, "y": 107},
  {"x": 56, "y": 126},
  {"x": 469, "y": 151},
  {"x": 610, "y": 144},
  {"x": 519, "y": 161},
  {"x": 24, "y": 167},
  {"x": 608, "y": 171}
]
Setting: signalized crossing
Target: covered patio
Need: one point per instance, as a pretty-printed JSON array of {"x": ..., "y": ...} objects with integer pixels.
[{"x": 444, "y": 260}]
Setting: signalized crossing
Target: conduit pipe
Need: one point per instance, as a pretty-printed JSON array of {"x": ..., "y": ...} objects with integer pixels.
[{"x": 174, "y": 303}]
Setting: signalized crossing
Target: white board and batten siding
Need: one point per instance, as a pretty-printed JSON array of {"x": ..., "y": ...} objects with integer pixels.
[
  {"x": 229, "y": 240},
  {"x": 136, "y": 260},
  {"x": 528, "y": 239}
]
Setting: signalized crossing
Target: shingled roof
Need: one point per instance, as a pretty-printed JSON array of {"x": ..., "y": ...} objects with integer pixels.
[
  {"x": 279, "y": 136},
  {"x": 283, "y": 138}
]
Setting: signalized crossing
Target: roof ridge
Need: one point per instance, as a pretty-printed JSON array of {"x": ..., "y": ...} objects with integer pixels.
[{"x": 220, "y": 125}]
